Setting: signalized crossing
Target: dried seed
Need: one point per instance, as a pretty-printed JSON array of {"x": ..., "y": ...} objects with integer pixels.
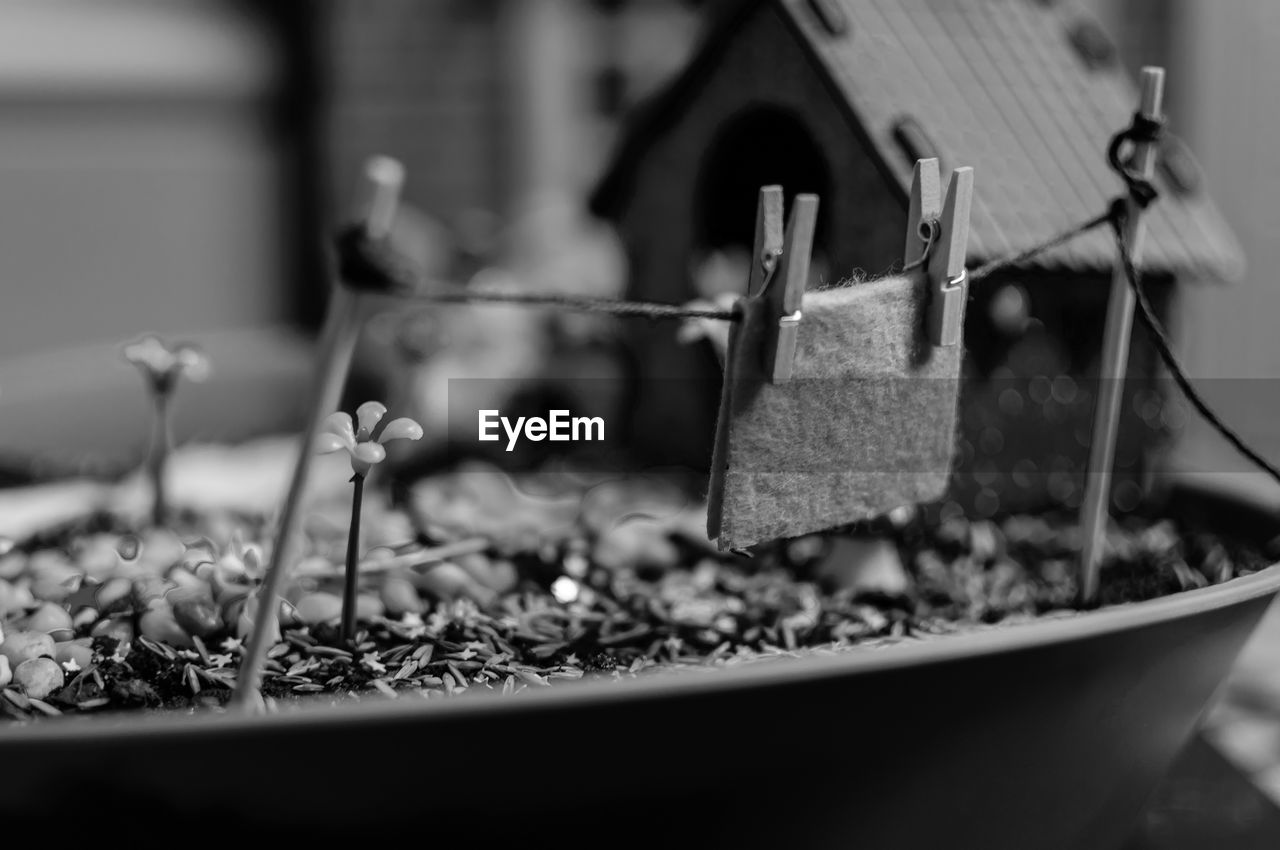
[
  {"x": 300, "y": 639},
  {"x": 18, "y": 700},
  {"x": 331, "y": 652},
  {"x": 192, "y": 681},
  {"x": 532, "y": 678},
  {"x": 201, "y": 650},
  {"x": 622, "y": 637}
]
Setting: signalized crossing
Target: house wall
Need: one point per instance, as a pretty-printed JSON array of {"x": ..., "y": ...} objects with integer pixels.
[{"x": 763, "y": 65}]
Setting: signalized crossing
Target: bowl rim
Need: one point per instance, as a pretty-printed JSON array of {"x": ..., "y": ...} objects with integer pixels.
[{"x": 155, "y": 727}]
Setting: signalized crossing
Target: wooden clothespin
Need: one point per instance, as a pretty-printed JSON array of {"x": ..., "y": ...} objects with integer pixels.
[
  {"x": 924, "y": 211},
  {"x": 781, "y": 273},
  {"x": 767, "y": 248},
  {"x": 941, "y": 226}
]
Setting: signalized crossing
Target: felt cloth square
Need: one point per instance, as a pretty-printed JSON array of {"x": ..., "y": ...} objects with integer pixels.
[{"x": 866, "y": 424}]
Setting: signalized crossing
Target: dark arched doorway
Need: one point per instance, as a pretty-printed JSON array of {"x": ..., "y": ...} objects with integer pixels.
[{"x": 759, "y": 146}]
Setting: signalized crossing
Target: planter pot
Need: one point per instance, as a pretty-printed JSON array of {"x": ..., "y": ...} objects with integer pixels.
[{"x": 1045, "y": 735}]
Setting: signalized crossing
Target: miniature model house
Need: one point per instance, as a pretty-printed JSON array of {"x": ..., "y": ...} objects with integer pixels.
[{"x": 840, "y": 98}]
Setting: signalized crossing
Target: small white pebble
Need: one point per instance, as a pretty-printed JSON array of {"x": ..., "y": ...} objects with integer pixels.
[
  {"x": 159, "y": 624},
  {"x": 400, "y": 596},
  {"x": 564, "y": 589},
  {"x": 24, "y": 646},
  {"x": 319, "y": 607},
  {"x": 49, "y": 617},
  {"x": 576, "y": 564},
  {"x": 38, "y": 677}
]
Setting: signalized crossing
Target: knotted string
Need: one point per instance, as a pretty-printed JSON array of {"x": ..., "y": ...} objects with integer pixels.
[{"x": 373, "y": 265}]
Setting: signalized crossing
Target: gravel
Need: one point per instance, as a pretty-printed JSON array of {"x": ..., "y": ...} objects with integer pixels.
[{"x": 102, "y": 617}]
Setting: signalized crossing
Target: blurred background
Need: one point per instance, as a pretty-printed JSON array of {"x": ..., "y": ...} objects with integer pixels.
[{"x": 177, "y": 166}]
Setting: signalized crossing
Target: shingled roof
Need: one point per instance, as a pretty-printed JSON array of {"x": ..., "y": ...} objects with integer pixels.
[{"x": 1028, "y": 92}]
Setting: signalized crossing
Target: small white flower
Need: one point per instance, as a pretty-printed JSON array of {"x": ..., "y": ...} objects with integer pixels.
[
  {"x": 338, "y": 433},
  {"x": 232, "y": 644},
  {"x": 220, "y": 659},
  {"x": 71, "y": 666},
  {"x": 164, "y": 364},
  {"x": 370, "y": 660}
]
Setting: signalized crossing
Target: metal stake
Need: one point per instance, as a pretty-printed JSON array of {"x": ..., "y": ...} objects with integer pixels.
[{"x": 1115, "y": 359}]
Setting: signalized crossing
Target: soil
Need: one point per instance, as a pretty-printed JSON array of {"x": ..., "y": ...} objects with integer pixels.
[{"x": 541, "y": 589}]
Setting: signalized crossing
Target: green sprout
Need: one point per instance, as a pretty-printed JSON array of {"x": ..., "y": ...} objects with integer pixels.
[
  {"x": 338, "y": 434},
  {"x": 162, "y": 365}
]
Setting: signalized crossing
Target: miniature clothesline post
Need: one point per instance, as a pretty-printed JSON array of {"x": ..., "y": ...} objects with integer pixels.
[
  {"x": 383, "y": 179},
  {"x": 1115, "y": 355}
]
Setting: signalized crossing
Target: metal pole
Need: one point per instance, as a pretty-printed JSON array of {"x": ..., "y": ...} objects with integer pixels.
[{"x": 1115, "y": 359}]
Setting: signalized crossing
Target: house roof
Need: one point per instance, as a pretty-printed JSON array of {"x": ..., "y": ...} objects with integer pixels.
[{"x": 1028, "y": 92}]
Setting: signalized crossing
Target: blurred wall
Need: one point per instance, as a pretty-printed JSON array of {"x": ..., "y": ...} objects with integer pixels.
[
  {"x": 420, "y": 81},
  {"x": 489, "y": 103},
  {"x": 138, "y": 171},
  {"x": 1228, "y": 54}
]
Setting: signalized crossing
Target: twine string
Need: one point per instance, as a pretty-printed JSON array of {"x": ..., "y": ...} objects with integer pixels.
[
  {"x": 1164, "y": 347},
  {"x": 374, "y": 265}
]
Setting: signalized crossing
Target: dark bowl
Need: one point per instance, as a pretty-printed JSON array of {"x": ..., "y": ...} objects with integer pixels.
[{"x": 1045, "y": 735}]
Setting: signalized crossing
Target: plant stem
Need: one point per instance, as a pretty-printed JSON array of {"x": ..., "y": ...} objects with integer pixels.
[
  {"x": 349, "y": 591},
  {"x": 158, "y": 458}
]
